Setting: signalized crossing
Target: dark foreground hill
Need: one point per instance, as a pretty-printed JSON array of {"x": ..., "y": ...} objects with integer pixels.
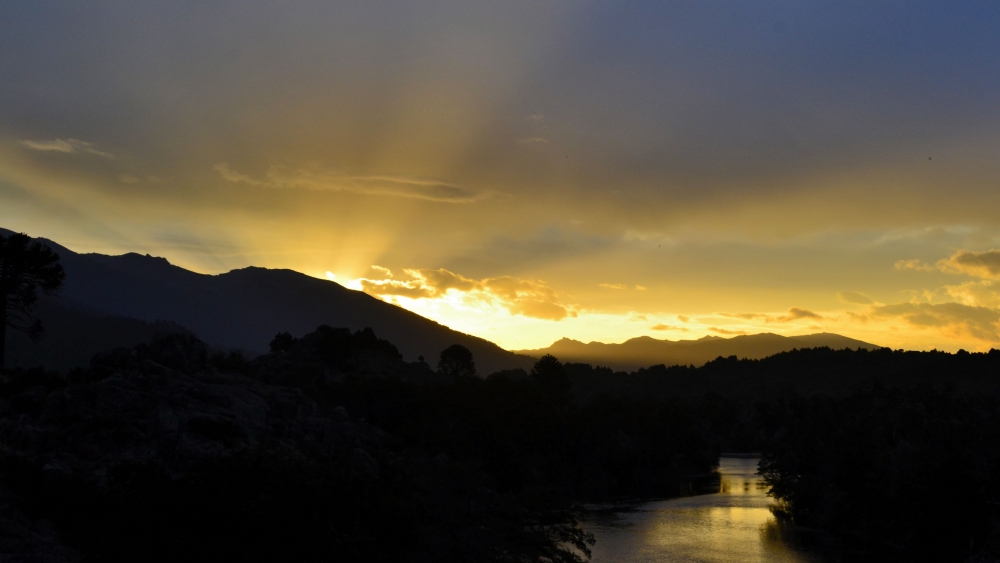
[
  {"x": 330, "y": 448},
  {"x": 242, "y": 309},
  {"x": 645, "y": 351}
]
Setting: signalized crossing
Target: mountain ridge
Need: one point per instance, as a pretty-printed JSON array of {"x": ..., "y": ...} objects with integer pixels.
[
  {"x": 245, "y": 308},
  {"x": 644, "y": 351}
]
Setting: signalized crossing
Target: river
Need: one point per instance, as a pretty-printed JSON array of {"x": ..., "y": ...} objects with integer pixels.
[{"x": 733, "y": 525}]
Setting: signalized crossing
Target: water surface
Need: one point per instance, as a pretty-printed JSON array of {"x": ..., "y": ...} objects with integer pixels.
[{"x": 734, "y": 525}]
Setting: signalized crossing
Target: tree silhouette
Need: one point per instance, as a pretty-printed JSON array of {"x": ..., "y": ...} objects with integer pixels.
[
  {"x": 26, "y": 267},
  {"x": 457, "y": 360},
  {"x": 282, "y": 342},
  {"x": 551, "y": 377}
]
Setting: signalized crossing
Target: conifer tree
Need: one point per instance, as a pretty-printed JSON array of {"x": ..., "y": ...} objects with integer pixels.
[{"x": 27, "y": 267}]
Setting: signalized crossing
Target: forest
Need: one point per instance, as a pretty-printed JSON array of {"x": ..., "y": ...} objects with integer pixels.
[{"x": 333, "y": 444}]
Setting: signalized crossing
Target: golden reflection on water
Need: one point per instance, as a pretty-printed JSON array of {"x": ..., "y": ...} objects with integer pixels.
[{"x": 733, "y": 525}]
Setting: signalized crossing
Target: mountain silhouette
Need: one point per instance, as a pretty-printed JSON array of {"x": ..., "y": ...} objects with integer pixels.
[
  {"x": 645, "y": 351},
  {"x": 244, "y": 309}
]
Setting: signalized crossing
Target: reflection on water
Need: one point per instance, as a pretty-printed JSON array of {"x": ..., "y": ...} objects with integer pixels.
[{"x": 733, "y": 525}]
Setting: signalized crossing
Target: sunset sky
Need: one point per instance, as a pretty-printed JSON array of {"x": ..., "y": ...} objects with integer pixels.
[{"x": 525, "y": 171}]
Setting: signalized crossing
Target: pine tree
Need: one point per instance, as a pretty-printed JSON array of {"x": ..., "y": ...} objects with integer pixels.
[{"x": 26, "y": 267}]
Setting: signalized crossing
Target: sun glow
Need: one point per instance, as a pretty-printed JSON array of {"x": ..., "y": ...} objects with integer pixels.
[{"x": 493, "y": 316}]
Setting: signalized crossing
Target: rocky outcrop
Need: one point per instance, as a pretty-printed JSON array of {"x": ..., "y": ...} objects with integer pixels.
[
  {"x": 170, "y": 452},
  {"x": 144, "y": 409},
  {"x": 160, "y": 405}
]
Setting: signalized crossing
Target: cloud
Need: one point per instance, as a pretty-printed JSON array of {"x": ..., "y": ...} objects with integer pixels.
[
  {"x": 985, "y": 293},
  {"x": 321, "y": 179},
  {"x": 68, "y": 146},
  {"x": 231, "y": 175},
  {"x": 385, "y": 271},
  {"x": 984, "y": 264},
  {"x": 535, "y": 117},
  {"x": 979, "y": 264},
  {"x": 914, "y": 264},
  {"x": 662, "y": 326},
  {"x": 858, "y": 317},
  {"x": 953, "y": 319},
  {"x": 612, "y": 285},
  {"x": 854, "y": 297},
  {"x": 795, "y": 314},
  {"x": 528, "y": 298},
  {"x": 726, "y": 331},
  {"x": 683, "y": 318},
  {"x": 744, "y": 316},
  {"x": 641, "y": 287}
]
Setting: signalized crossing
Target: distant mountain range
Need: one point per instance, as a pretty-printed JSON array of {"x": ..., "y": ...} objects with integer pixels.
[
  {"x": 645, "y": 351},
  {"x": 112, "y": 301},
  {"x": 120, "y": 301}
]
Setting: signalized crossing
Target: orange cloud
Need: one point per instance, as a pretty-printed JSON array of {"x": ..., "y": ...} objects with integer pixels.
[
  {"x": 979, "y": 264},
  {"x": 953, "y": 319},
  {"x": 528, "y": 298},
  {"x": 662, "y": 326},
  {"x": 983, "y": 293},
  {"x": 914, "y": 264},
  {"x": 984, "y": 264},
  {"x": 793, "y": 314},
  {"x": 745, "y": 316}
]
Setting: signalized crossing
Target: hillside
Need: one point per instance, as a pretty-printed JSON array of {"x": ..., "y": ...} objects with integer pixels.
[{"x": 73, "y": 335}]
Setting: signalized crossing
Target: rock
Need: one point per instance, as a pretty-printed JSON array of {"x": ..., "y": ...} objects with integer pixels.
[
  {"x": 363, "y": 464},
  {"x": 340, "y": 414}
]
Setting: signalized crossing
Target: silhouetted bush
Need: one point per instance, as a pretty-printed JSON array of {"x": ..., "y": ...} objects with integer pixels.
[{"x": 913, "y": 470}]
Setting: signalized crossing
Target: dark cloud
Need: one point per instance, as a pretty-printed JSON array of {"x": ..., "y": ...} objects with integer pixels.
[{"x": 649, "y": 98}]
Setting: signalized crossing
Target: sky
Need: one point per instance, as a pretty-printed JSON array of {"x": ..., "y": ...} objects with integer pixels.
[{"x": 527, "y": 171}]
